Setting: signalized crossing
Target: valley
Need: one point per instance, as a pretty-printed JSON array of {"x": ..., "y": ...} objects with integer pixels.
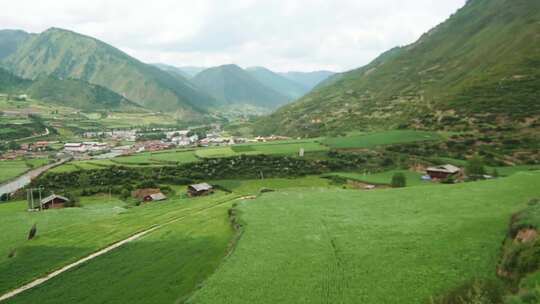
[{"x": 166, "y": 168}]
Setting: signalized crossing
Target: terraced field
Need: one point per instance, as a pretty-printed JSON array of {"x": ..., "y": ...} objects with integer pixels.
[
  {"x": 371, "y": 140},
  {"x": 382, "y": 178},
  {"x": 388, "y": 246}
]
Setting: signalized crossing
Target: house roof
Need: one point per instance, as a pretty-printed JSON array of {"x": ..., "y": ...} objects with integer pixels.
[
  {"x": 451, "y": 169},
  {"x": 158, "y": 196},
  {"x": 142, "y": 193},
  {"x": 52, "y": 197},
  {"x": 201, "y": 187}
]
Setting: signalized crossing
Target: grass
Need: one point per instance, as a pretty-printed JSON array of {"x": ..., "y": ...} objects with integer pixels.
[
  {"x": 371, "y": 140},
  {"x": 163, "y": 267},
  {"x": 388, "y": 246},
  {"x": 68, "y": 234},
  {"x": 253, "y": 187},
  {"x": 382, "y": 178}
]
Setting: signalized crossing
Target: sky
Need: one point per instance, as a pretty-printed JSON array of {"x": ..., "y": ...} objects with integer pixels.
[{"x": 283, "y": 35}]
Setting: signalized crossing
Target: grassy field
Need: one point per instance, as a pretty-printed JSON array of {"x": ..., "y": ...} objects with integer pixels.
[
  {"x": 382, "y": 178},
  {"x": 253, "y": 187},
  {"x": 388, "y": 246},
  {"x": 69, "y": 234},
  {"x": 163, "y": 267},
  {"x": 371, "y": 140}
]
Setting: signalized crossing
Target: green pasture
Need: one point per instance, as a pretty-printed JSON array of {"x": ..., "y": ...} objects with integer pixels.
[
  {"x": 165, "y": 266},
  {"x": 66, "y": 235},
  {"x": 253, "y": 187},
  {"x": 389, "y": 246},
  {"x": 370, "y": 140}
]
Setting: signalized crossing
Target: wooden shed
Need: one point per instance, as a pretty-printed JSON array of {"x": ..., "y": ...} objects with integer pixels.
[
  {"x": 145, "y": 195},
  {"x": 54, "y": 202},
  {"x": 442, "y": 172},
  {"x": 200, "y": 189}
]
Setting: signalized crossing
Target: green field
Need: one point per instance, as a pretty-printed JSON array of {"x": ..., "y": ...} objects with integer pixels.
[
  {"x": 382, "y": 178},
  {"x": 388, "y": 246},
  {"x": 68, "y": 234},
  {"x": 163, "y": 267},
  {"x": 371, "y": 140}
]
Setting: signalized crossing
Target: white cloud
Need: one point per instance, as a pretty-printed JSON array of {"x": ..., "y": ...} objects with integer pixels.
[{"x": 280, "y": 34}]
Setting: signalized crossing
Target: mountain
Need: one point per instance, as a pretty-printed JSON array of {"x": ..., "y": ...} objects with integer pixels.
[
  {"x": 230, "y": 84},
  {"x": 278, "y": 83},
  {"x": 11, "y": 84},
  {"x": 308, "y": 79},
  {"x": 65, "y": 54},
  {"x": 77, "y": 94},
  {"x": 73, "y": 93},
  {"x": 10, "y": 40},
  {"x": 172, "y": 70},
  {"x": 478, "y": 70},
  {"x": 191, "y": 71}
]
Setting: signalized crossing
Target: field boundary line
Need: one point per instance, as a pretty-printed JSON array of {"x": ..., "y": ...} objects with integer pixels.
[{"x": 134, "y": 237}]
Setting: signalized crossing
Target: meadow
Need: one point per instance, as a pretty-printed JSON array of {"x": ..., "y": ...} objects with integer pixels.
[
  {"x": 165, "y": 266},
  {"x": 388, "y": 246},
  {"x": 370, "y": 140},
  {"x": 66, "y": 235}
]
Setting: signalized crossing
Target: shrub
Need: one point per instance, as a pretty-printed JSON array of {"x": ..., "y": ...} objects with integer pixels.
[
  {"x": 399, "y": 180},
  {"x": 475, "y": 167}
]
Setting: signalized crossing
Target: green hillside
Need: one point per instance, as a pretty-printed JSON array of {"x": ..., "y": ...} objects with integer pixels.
[
  {"x": 230, "y": 84},
  {"x": 10, "y": 40},
  {"x": 77, "y": 94},
  {"x": 278, "y": 83},
  {"x": 65, "y": 54},
  {"x": 477, "y": 70},
  {"x": 10, "y": 84},
  {"x": 172, "y": 70}
]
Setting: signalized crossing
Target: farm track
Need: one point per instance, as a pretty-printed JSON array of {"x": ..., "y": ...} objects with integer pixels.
[{"x": 108, "y": 249}]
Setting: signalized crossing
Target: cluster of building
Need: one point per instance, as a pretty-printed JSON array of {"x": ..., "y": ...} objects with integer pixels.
[
  {"x": 182, "y": 138},
  {"x": 126, "y": 135},
  {"x": 86, "y": 147}
]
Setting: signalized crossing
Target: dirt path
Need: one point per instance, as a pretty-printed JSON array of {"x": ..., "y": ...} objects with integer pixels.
[{"x": 103, "y": 251}]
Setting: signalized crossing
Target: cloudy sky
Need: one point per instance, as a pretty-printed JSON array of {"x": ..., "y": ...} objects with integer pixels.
[{"x": 280, "y": 34}]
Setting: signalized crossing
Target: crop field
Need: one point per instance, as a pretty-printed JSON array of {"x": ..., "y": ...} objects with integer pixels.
[
  {"x": 253, "y": 187},
  {"x": 371, "y": 140},
  {"x": 388, "y": 246},
  {"x": 163, "y": 267},
  {"x": 382, "y": 178},
  {"x": 280, "y": 148},
  {"x": 66, "y": 235}
]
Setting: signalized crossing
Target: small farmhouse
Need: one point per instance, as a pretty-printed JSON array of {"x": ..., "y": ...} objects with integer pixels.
[
  {"x": 442, "y": 172},
  {"x": 200, "y": 189},
  {"x": 149, "y": 195},
  {"x": 54, "y": 202}
]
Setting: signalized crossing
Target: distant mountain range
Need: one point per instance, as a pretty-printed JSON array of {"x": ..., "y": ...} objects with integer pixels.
[
  {"x": 479, "y": 70},
  {"x": 230, "y": 84},
  {"x": 64, "y": 58},
  {"x": 67, "y": 92},
  {"x": 256, "y": 86},
  {"x": 65, "y": 54}
]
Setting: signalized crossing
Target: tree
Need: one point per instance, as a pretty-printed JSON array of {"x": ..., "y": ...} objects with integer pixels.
[
  {"x": 495, "y": 173},
  {"x": 399, "y": 180},
  {"x": 475, "y": 167}
]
